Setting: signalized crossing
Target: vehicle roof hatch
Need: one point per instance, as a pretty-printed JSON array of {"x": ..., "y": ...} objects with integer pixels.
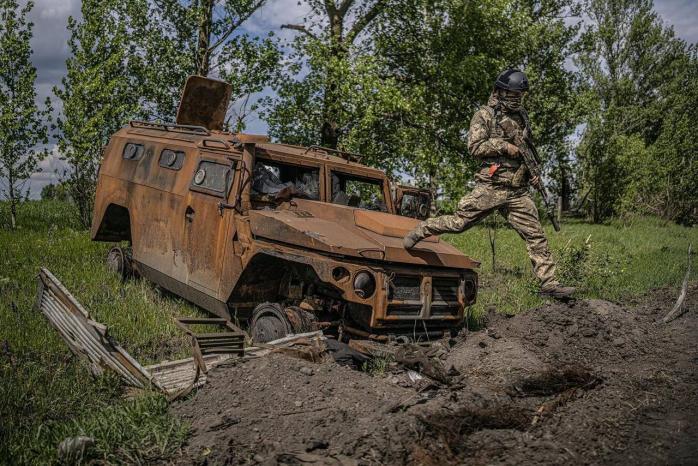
[{"x": 204, "y": 103}]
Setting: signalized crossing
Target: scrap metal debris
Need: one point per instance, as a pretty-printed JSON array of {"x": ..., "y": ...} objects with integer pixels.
[
  {"x": 90, "y": 341},
  {"x": 85, "y": 337}
]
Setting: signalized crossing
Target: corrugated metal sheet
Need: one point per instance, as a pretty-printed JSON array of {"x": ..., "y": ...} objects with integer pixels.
[
  {"x": 85, "y": 337},
  {"x": 174, "y": 376},
  {"x": 89, "y": 340}
]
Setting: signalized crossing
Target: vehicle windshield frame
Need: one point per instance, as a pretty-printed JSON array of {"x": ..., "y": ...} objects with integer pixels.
[{"x": 361, "y": 177}]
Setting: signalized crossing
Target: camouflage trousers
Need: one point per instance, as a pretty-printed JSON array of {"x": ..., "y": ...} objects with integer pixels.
[{"x": 516, "y": 206}]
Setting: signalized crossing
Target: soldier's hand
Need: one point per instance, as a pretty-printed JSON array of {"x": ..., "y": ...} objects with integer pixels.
[
  {"x": 512, "y": 151},
  {"x": 535, "y": 181}
]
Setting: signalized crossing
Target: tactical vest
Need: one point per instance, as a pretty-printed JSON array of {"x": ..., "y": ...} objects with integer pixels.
[{"x": 496, "y": 131}]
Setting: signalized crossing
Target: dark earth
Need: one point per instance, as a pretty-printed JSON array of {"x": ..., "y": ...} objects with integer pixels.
[{"x": 589, "y": 382}]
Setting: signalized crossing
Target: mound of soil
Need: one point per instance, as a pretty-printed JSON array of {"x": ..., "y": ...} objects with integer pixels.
[{"x": 589, "y": 382}]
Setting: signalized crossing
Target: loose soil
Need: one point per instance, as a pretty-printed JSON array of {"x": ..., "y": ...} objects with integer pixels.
[{"x": 590, "y": 382}]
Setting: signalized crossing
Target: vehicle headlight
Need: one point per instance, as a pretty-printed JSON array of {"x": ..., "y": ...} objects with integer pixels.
[{"x": 364, "y": 285}]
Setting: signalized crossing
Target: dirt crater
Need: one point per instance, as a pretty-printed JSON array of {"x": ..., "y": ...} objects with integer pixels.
[{"x": 590, "y": 382}]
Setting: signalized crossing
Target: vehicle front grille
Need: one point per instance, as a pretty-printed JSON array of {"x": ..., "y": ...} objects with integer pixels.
[
  {"x": 406, "y": 288},
  {"x": 444, "y": 289},
  {"x": 405, "y": 296},
  {"x": 404, "y": 309}
]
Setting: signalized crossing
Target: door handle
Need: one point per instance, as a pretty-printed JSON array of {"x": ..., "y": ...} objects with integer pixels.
[{"x": 189, "y": 214}]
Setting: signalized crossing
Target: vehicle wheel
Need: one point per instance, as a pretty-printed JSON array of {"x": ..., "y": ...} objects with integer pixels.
[
  {"x": 119, "y": 262},
  {"x": 269, "y": 322}
]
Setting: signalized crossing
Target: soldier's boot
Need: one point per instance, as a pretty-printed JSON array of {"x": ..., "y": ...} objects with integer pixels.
[
  {"x": 557, "y": 291},
  {"x": 412, "y": 238}
]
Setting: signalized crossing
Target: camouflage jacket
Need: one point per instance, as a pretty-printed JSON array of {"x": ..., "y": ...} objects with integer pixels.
[{"x": 487, "y": 141}]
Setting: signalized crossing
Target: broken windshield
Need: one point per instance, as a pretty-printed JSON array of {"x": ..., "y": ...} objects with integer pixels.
[
  {"x": 356, "y": 191},
  {"x": 278, "y": 181}
]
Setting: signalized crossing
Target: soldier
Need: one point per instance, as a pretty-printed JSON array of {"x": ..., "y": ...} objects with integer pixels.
[{"x": 502, "y": 182}]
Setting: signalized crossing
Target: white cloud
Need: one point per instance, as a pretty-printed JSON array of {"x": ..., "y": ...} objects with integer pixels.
[
  {"x": 51, "y": 171},
  {"x": 682, "y": 15}
]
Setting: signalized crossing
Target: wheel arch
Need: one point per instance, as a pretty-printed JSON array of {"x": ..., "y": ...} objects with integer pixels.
[
  {"x": 114, "y": 225},
  {"x": 264, "y": 276}
]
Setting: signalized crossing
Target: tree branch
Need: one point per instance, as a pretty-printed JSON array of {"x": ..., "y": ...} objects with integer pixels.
[
  {"x": 299, "y": 27},
  {"x": 365, "y": 20},
  {"x": 236, "y": 25},
  {"x": 344, "y": 7},
  {"x": 331, "y": 8}
]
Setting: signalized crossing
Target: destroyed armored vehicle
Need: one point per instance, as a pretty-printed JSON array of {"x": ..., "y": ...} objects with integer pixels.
[{"x": 279, "y": 238}]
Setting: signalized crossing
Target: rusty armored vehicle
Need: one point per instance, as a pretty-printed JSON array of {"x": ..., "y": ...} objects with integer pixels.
[{"x": 276, "y": 237}]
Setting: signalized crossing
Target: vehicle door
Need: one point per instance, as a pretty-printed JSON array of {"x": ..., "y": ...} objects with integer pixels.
[{"x": 207, "y": 222}]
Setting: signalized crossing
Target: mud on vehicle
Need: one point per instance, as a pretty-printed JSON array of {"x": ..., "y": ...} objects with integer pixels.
[{"x": 281, "y": 238}]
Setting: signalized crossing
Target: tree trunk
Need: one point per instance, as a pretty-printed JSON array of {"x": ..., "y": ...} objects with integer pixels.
[
  {"x": 329, "y": 131},
  {"x": 13, "y": 200},
  {"x": 203, "y": 53},
  {"x": 564, "y": 188}
]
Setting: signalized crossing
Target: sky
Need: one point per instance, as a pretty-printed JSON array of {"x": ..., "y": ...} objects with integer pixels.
[{"x": 51, "y": 50}]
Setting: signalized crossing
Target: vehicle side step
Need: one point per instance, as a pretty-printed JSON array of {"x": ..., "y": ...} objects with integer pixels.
[{"x": 229, "y": 341}]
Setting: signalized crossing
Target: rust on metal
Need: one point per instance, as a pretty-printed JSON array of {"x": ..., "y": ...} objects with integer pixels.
[
  {"x": 231, "y": 221},
  {"x": 90, "y": 341},
  {"x": 204, "y": 103},
  {"x": 413, "y": 202}
]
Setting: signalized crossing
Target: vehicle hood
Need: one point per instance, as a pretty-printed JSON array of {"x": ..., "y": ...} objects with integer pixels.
[{"x": 352, "y": 232}]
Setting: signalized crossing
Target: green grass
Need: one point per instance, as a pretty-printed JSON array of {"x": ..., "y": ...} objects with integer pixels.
[
  {"x": 47, "y": 395},
  {"x": 612, "y": 261}
]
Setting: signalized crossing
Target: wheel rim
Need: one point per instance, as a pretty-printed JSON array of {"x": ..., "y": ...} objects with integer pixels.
[{"x": 268, "y": 327}]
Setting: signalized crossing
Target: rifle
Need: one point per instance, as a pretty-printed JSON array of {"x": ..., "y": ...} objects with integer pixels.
[{"x": 531, "y": 160}]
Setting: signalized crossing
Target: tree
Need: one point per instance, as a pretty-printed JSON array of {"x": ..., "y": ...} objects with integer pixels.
[
  {"x": 330, "y": 48},
  {"x": 98, "y": 92},
  {"x": 22, "y": 123},
  {"x": 180, "y": 38},
  {"x": 640, "y": 82},
  {"x": 404, "y": 92},
  {"x": 56, "y": 191},
  {"x": 445, "y": 55}
]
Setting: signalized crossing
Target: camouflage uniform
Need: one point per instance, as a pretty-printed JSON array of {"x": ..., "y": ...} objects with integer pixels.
[{"x": 500, "y": 191}]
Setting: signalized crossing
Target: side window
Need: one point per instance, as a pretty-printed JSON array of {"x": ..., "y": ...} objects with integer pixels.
[
  {"x": 355, "y": 191},
  {"x": 415, "y": 205},
  {"x": 133, "y": 151},
  {"x": 212, "y": 178},
  {"x": 276, "y": 181},
  {"x": 172, "y": 159}
]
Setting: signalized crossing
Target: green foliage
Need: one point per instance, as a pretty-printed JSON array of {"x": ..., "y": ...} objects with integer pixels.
[
  {"x": 130, "y": 60},
  {"x": 404, "y": 93},
  {"x": 58, "y": 192},
  {"x": 22, "y": 123},
  {"x": 613, "y": 261},
  {"x": 47, "y": 393},
  {"x": 330, "y": 80},
  {"x": 377, "y": 365},
  {"x": 97, "y": 94},
  {"x": 180, "y": 38},
  {"x": 637, "y": 155}
]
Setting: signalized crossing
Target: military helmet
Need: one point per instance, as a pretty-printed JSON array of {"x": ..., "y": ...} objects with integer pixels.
[{"x": 512, "y": 80}]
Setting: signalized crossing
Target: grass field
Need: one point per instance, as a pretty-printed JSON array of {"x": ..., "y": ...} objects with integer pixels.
[{"x": 46, "y": 395}]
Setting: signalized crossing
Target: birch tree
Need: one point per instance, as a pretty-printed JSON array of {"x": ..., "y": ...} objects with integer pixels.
[{"x": 22, "y": 122}]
